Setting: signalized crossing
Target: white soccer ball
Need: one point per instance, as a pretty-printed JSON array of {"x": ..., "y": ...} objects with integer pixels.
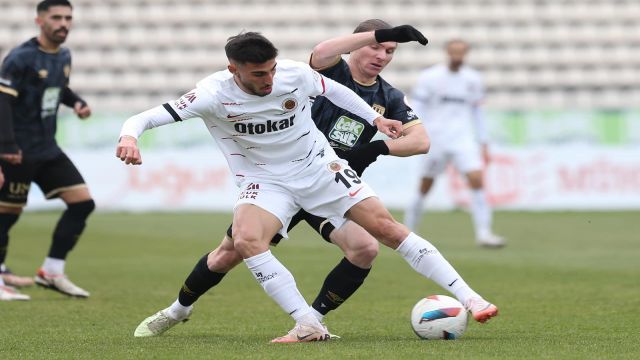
[{"x": 439, "y": 317}]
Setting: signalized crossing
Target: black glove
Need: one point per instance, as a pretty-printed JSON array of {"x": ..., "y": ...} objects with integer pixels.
[
  {"x": 360, "y": 157},
  {"x": 401, "y": 34}
]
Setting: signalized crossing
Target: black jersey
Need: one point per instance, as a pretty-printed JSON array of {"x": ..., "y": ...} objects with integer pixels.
[
  {"x": 345, "y": 130},
  {"x": 37, "y": 79}
]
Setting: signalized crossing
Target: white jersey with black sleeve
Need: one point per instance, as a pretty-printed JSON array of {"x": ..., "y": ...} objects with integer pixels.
[{"x": 269, "y": 137}]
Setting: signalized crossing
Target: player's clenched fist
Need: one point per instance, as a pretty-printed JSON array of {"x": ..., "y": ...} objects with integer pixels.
[
  {"x": 389, "y": 127},
  {"x": 401, "y": 34},
  {"x": 127, "y": 150}
]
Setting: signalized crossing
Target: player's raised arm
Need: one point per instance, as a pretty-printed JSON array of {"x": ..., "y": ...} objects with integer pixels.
[{"x": 326, "y": 53}]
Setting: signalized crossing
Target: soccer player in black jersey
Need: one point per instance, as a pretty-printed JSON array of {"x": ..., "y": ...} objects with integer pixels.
[
  {"x": 371, "y": 48},
  {"x": 34, "y": 80}
]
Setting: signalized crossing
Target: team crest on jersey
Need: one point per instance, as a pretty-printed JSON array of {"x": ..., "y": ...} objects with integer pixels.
[
  {"x": 43, "y": 73},
  {"x": 379, "y": 108},
  {"x": 67, "y": 71},
  {"x": 334, "y": 166},
  {"x": 289, "y": 104},
  {"x": 346, "y": 131}
]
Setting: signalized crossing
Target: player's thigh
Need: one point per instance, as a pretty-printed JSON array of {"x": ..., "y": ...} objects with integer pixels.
[
  {"x": 15, "y": 190},
  {"x": 253, "y": 222},
  {"x": 271, "y": 201},
  {"x": 376, "y": 220},
  {"x": 60, "y": 176}
]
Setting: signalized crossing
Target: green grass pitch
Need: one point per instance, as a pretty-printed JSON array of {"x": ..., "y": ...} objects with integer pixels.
[{"x": 567, "y": 284}]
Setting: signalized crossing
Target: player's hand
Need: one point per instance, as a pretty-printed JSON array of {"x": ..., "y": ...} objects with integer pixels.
[
  {"x": 13, "y": 159},
  {"x": 391, "y": 128},
  {"x": 127, "y": 150},
  {"x": 82, "y": 110},
  {"x": 401, "y": 34},
  {"x": 1, "y": 178}
]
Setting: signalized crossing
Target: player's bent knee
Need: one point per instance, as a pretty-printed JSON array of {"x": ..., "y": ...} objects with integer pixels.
[
  {"x": 82, "y": 209},
  {"x": 364, "y": 255}
]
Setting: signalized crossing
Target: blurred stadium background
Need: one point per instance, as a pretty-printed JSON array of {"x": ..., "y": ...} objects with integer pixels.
[{"x": 563, "y": 81}]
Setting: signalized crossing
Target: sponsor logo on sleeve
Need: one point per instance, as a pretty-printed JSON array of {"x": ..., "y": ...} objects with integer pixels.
[{"x": 185, "y": 100}]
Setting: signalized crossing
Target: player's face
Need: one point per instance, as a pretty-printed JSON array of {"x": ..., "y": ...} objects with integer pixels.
[
  {"x": 55, "y": 23},
  {"x": 254, "y": 79},
  {"x": 372, "y": 59},
  {"x": 457, "y": 51}
]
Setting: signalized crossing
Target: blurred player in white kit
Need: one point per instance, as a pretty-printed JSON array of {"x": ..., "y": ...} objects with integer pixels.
[{"x": 448, "y": 97}]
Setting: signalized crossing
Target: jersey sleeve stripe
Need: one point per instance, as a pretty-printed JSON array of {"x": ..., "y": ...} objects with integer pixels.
[
  {"x": 324, "y": 88},
  {"x": 411, "y": 123},
  {"x": 8, "y": 90},
  {"x": 172, "y": 112}
]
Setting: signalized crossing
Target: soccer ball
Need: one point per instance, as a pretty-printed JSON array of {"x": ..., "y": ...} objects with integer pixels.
[{"x": 439, "y": 317}]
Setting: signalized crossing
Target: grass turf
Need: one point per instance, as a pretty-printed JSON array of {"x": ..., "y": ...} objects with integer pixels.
[{"x": 567, "y": 286}]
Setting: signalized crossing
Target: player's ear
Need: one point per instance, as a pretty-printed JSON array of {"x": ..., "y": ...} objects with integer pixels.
[{"x": 232, "y": 68}]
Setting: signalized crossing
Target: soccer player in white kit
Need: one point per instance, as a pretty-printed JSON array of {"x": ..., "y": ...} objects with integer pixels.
[
  {"x": 258, "y": 112},
  {"x": 448, "y": 98}
]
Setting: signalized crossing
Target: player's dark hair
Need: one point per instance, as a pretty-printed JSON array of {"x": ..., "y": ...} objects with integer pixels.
[
  {"x": 250, "y": 47},
  {"x": 371, "y": 25},
  {"x": 46, "y": 4}
]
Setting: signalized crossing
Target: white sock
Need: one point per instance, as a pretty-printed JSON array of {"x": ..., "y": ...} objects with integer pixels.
[
  {"x": 413, "y": 212},
  {"x": 318, "y": 316},
  {"x": 178, "y": 311},
  {"x": 53, "y": 266},
  {"x": 1, "y": 281},
  {"x": 480, "y": 213},
  {"x": 280, "y": 285},
  {"x": 427, "y": 260}
]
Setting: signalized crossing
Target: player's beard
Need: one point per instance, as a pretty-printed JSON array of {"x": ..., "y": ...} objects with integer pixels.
[{"x": 58, "y": 36}]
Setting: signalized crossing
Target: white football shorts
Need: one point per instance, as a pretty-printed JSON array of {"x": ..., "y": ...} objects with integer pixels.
[
  {"x": 464, "y": 155},
  {"x": 325, "y": 188}
]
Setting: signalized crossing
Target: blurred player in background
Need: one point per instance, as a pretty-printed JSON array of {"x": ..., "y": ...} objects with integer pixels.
[
  {"x": 7, "y": 293},
  {"x": 350, "y": 135},
  {"x": 34, "y": 80},
  {"x": 448, "y": 97}
]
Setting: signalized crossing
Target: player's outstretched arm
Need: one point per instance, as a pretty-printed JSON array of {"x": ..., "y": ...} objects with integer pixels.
[
  {"x": 127, "y": 150},
  {"x": 414, "y": 141},
  {"x": 326, "y": 53}
]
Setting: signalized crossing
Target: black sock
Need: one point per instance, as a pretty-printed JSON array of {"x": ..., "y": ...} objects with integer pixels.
[
  {"x": 69, "y": 228},
  {"x": 198, "y": 282},
  {"x": 6, "y": 222},
  {"x": 339, "y": 285}
]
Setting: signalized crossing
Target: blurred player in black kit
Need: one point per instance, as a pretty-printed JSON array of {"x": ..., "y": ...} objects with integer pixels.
[{"x": 34, "y": 80}]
